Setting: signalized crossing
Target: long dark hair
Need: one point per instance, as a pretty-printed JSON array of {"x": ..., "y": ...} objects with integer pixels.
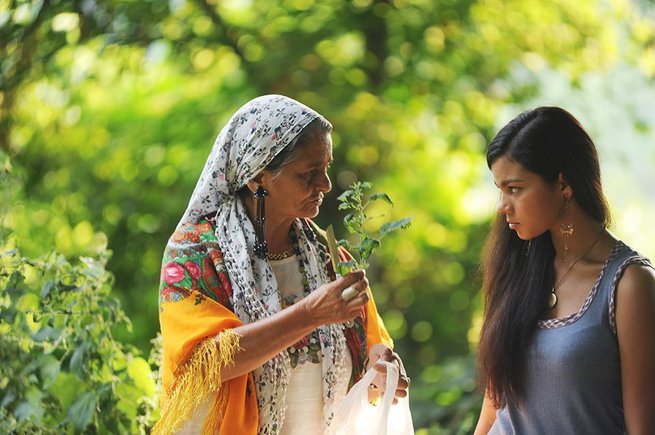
[{"x": 517, "y": 275}]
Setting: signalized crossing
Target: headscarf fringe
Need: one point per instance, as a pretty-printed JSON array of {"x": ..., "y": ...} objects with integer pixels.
[{"x": 196, "y": 379}]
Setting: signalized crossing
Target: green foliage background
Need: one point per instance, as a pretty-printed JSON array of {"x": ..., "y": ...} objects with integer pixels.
[{"x": 108, "y": 110}]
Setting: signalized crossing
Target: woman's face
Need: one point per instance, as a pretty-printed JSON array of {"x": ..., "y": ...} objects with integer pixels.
[
  {"x": 530, "y": 205},
  {"x": 297, "y": 190}
]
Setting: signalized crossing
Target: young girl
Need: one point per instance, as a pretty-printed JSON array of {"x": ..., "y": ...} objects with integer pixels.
[{"x": 568, "y": 340}]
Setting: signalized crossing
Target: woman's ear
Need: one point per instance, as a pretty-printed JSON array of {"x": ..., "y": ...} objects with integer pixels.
[
  {"x": 564, "y": 186},
  {"x": 255, "y": 182}
]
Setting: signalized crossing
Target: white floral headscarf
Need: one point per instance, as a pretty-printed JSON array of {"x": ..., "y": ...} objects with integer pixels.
[{"x": 254, "y": 135}]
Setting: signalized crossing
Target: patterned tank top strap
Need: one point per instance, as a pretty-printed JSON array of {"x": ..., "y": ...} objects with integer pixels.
[{"x": 626, "y": 257}]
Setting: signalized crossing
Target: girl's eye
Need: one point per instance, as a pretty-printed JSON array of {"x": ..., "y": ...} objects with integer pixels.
[{"x": 513, "y": 189}]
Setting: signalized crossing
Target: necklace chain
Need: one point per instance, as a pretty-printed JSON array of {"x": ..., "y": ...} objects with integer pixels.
[
  {"x": 553, "y": 297},
  {"x": 282, "y": 255}
]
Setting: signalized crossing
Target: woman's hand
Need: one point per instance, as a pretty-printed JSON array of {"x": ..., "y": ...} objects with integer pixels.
[
  {"x": 325, "y": 305},
  {"x": 378, "y": 353},
  {"x": 265, "y": 338}
]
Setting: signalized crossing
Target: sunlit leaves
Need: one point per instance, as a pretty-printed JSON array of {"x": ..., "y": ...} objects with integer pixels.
[
  {"x": 520, "y": 28},
  {"x": 344, "y": 51},
  {"x": 61, "y": 366}
]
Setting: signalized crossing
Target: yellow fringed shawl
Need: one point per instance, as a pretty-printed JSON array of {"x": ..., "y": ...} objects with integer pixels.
[{"x": 198, "y": 342}]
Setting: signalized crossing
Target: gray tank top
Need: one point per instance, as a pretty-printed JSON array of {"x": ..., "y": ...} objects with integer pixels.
[{"x": 573, "y": 369}]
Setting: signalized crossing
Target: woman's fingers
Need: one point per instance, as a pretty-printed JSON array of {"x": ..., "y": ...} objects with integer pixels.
[
  {"x": 354, "y": 295},
  {"x": 401, "y": 389},
  {"x": 380, "y": 366},
  {"x": 381, "y": 378},
  {"x": 352, "y": 285},
  {"x": 353, "y": 278},
  {"x": 327, "y": 305},
  {"x": 403, "y": 386}
]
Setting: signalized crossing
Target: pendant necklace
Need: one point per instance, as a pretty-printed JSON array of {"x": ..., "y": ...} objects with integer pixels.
[{"x": 552, "y": 300}]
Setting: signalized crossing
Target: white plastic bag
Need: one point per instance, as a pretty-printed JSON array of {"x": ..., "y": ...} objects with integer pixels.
[{"x": 356, "y": 415}]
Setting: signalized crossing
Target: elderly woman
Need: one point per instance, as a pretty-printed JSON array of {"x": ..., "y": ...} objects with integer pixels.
[{"x": 257, "y": 337}]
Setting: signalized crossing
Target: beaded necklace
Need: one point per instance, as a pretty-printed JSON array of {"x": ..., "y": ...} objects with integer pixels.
[
  {"x": 307, "y": 346},
  {"x": 281, "y": 256}
]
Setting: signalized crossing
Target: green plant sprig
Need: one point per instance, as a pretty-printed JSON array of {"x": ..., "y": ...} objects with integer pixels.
[{"x": 357, "y": 202}]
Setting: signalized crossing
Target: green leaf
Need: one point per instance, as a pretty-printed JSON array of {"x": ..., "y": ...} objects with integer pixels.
[
  {"x": 47, "y": 287},
  {"x": 68, "y": 288},
  {"x": 95, "y": 269},
  {"x": 50, "y": 367},
  {"x": 381, "y": 195},
  {"x": 65, "y": 388},
  {"x": 345, "y": 267},
  {"x": 82, "y": 410},
  {"x": 395, "y": 225},
  {"x": 8, "y": 398},
  {"x": 47, "y": 333},
  {"x": 345, "y": 196},
  {"x": 77, "y": 360},
  {"x": 139, "y": 371},
  {"x": 32, "y": 407},
  {"x": 129, "y": 397},
  {"x": 367, "y": 247},
  {"x": 350, "y": 222},
  {"x": 14, "y": 288},
  {"x": 343, "y": 243},
  {"x": 28, "y": 302},
  {"x": 363, "y": 185}
]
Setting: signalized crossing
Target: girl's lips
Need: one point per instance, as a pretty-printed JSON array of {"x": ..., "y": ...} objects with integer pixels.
[{"x": 513, "y": 226}]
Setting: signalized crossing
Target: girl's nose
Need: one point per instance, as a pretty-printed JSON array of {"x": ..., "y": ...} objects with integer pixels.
[{"x": 503, "y": 205}]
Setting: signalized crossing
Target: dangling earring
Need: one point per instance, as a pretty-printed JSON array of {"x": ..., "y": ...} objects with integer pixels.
[
  {"x": 261, "y": 247},
  {"x": 527, "y": 250},
  {"x": 566, "y": 230}
]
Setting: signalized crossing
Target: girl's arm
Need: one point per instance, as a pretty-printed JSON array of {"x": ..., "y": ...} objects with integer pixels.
[
  {"x": 635, "y": 324},
  {"x": 487, "y": 417}
]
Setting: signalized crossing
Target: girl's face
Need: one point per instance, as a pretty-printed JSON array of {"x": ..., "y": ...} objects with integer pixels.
[
  {"x": 530, "y": 205},
  {"x": 297, "y": 190}
]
